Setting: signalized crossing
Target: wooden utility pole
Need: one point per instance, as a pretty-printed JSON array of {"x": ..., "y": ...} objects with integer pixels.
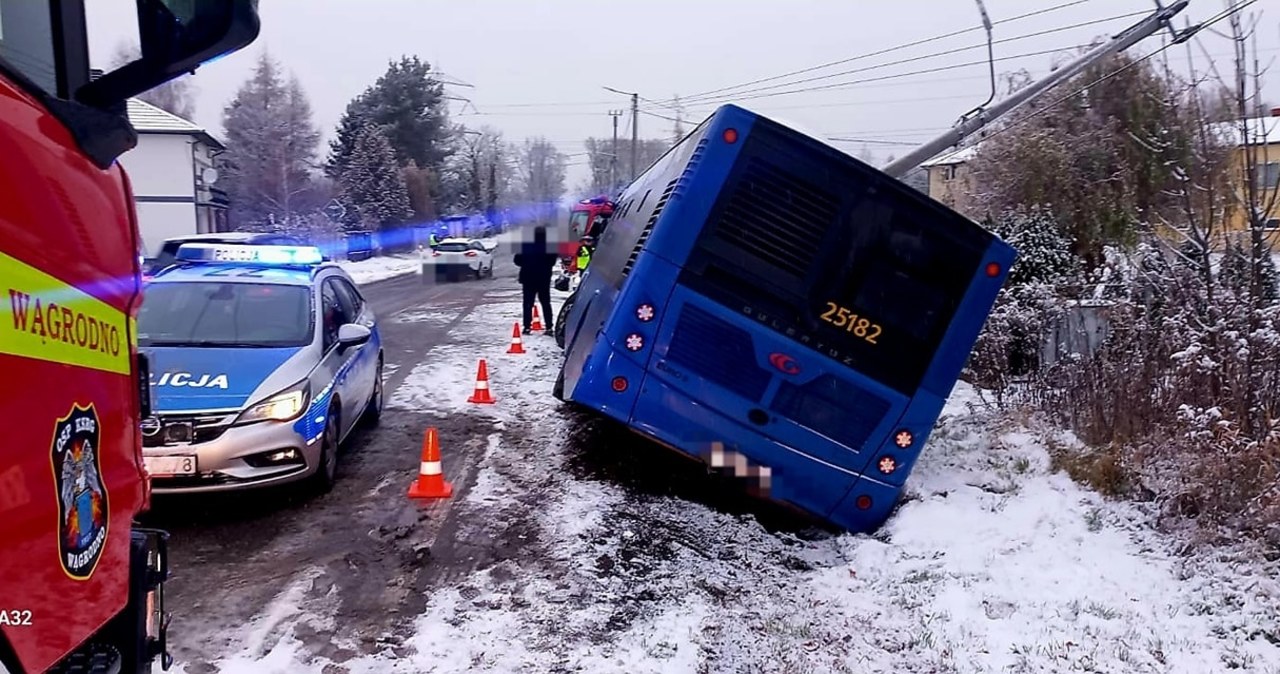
[
  {"x": 635, "y": 134},
  {"x": 613, "y": 160}
]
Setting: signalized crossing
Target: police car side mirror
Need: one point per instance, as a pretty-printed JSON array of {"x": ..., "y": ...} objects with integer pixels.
[{"x": 351, "y": 335}]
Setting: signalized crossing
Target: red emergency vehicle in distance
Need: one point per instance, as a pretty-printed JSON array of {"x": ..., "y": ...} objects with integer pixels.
[
  {"x": 80, "y": 583},
  {"x": 588, "y": 217}
]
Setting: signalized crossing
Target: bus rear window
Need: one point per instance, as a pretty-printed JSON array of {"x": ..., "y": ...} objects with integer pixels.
[
  {"x": 859, "y": 268},
  {"x": 898, "y": 271}
]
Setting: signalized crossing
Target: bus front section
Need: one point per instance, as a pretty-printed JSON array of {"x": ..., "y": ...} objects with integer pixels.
[{"x": 779, "y": 309}]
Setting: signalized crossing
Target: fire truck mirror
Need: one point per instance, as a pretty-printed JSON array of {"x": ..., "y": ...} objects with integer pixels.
[{"x": 177, "y": 36}]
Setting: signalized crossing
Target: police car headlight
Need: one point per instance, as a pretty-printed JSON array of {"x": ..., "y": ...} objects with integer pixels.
[{"x": 283, "y": 406}]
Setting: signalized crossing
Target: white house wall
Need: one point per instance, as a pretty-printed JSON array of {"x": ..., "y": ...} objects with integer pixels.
[
  {"x": 159, "y": 221},
  {"x": 161, "y": 171}
]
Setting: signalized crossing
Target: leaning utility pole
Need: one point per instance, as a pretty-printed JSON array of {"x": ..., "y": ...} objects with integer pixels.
[
  {"x": 613, "y": 160},
  {"x": 983, "y": 115},
  {"x": 635, "y": 134}
]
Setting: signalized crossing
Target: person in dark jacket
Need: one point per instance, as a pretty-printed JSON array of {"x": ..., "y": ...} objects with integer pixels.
[{"x": 536, "y": 260}]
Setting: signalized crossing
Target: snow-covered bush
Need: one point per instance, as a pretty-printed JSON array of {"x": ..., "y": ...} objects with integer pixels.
[
  {"x": 1044, "y": 252},
  {"x": 1009, "y": 346},
  {"x": 1185, "y": 387}
]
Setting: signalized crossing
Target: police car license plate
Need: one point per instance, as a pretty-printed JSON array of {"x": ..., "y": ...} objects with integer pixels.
[{"x": 165, "y": 466}]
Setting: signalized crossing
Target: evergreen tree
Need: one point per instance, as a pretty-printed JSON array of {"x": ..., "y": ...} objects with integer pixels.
[
  {"x": 1233, "y": 272},
  {"x": 409, "y": 104},
  {"x": 1267, "y": 269},
  {"x": 373, "y": 187},
  {"x": 1044, "y": 252},
  {"x": 271, "y": 146},
  {"x": 354, "y": 119}
]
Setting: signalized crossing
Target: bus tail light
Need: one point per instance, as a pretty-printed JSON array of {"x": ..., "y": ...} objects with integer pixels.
[
  {"x": 887, "y": 465},
  {"x": 619, "y": 384},
  {"x": 863, "y": 502},
  {"x": 646, "y": 313},
  {"x": 903, "y": 439},
  {"x": 634, "y": 342},
  {"x": 731, "y": 136},
  {"x": 993, "y": 269}
]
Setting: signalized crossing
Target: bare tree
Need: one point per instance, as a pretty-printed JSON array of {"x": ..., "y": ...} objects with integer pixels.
[
  {"x": 542, "y": 172},
  {"x": 1200, "y": 152},
  {"x": 1259, "y": 189}
]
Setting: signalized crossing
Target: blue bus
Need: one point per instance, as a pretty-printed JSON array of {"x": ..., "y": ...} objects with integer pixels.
[{"x": 766, "y": 302}]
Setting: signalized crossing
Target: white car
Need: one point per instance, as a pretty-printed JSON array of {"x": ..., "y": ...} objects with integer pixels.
[{"x": 450, "y": 257}]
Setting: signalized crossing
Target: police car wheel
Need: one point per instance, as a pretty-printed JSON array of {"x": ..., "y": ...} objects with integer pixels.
[
  {"x": 373, "y": 412},
  {"x": 327, "y": 470}
]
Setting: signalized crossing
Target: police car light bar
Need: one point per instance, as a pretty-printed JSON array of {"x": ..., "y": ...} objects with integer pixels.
[{"x": 253, "y": 254}]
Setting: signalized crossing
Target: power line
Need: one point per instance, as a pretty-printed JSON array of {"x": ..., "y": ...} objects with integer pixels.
[
  {"x": 888, "y": 50},
  {"x": 555, "y": 104},
  {"x": 923, "y": 57},
  {"x": 874, "y": 141},
  {"x": 654, "y": 114},
  {"x": 938, "y": 69},
  {"x": 1132, "y": 64},
  {"x": 886, "y": 83}
]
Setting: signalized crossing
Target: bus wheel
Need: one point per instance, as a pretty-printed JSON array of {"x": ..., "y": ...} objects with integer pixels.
[{"x": 562, "y": 318}]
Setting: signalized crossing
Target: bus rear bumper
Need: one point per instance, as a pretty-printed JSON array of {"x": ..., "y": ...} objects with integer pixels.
[{"x": 851, "y": 501}]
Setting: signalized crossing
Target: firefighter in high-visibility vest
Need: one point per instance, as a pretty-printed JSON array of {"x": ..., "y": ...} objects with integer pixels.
[{"x": 584, "y": 253}]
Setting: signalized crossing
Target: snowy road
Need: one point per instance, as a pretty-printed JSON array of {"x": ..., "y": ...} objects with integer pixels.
[
  {"x": 572, "y": 546},
  {"x": 354, "y": 560}
]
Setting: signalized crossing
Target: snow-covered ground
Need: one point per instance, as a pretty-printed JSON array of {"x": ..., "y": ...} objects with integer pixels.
[
  {"x": 380, "y": 268},
  {"x": 385, "y": 267},
  {"x": 993, "y": 563}
]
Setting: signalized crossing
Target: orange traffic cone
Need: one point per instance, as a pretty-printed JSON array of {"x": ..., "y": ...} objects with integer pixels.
[
  {"x": 481, "y": 395},
  {"x": 517, "y": 346},
  {"x": 430, "y": 482},
  {"x": 537, "y": 321}
]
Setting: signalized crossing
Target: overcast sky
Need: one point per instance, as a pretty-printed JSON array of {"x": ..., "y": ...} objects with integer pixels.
[{"x": 538, "y": 69}]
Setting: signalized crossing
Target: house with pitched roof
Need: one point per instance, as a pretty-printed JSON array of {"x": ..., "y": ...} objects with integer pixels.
[{"x": 174, "y": 174}]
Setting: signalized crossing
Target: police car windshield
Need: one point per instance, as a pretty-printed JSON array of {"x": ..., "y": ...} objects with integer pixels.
[
  {"x": 453, "y": 247},
  {"x": 225, "y": 315}
]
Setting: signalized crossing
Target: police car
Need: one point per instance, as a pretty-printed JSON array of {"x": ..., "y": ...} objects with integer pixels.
[{"x": 262, "y": 360}]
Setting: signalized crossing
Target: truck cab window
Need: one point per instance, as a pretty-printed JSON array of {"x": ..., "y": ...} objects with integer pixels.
[{"x": 26, "y": 42}]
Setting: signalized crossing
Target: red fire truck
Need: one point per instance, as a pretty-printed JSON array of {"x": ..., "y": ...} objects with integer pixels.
[
  {"x": 80, "y": 582},
  {"x": 588, "y": 217}
]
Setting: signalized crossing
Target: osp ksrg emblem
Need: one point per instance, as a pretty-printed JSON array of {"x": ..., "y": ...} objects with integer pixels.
[{"x": 82, "y": 497}]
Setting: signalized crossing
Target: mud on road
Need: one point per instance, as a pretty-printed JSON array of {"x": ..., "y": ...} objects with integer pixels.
[
  {"x": 345, "y": 571},
  {"x": 349, "y": 574}
]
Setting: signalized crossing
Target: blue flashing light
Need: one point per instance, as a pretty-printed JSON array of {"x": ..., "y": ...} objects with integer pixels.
[{"x": 249, "y": 254}]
